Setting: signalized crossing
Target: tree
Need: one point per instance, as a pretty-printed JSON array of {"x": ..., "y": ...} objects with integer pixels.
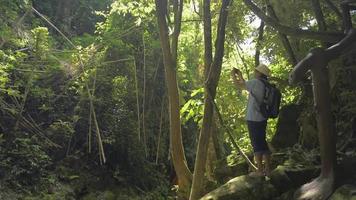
[
  {"x": 317, "y": 61},
  {"x": 212, "y": 75},
  {"x": 170, "y": 62}
]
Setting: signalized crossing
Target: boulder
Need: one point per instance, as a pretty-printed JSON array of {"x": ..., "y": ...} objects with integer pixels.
[
  {"x": 287, "y": 132},
  {"x": 224, "y": 172},
  {"x": 244, "y": 188},
  {"x": 287, "y": 178},
  {"x": 344, "y": 192}
]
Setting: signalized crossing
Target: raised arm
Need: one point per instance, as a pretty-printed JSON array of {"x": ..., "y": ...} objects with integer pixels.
[{"x": 238, "y": 80}]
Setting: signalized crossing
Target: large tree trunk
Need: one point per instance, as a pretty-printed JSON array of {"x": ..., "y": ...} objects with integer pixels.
[
  {"x": 317, "y": 61},
  {"x": 324, "y": 119},
  {"x": 178, "y": 157},
  {"x": 212, "y": 78}
]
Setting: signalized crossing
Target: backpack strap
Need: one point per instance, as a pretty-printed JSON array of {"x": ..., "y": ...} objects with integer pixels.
[
  {"x": 266, "y": 84},
  {"x": 264, "y": 93}
]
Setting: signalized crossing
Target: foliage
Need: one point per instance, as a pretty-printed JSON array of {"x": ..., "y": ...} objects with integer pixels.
[
  {"x": 118, "y": 60},
  {"x": 25, "y": 163}
]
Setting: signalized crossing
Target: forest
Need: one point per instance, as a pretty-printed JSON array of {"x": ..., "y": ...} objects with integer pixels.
[{"x": 150, "y": 100}]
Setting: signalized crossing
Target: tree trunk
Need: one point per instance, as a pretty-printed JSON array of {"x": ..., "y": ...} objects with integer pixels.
[
  {"x": 317, "y": 60},
  {"x": 324, "y": 119},
  {"x": 212, "y": 78},
  {"x": 178, "y": 157}
]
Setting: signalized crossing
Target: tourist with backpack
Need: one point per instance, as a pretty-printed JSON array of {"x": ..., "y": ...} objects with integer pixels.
[{"x": 263, "y": 103}]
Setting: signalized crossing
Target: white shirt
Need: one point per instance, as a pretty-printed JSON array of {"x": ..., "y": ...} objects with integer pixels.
[{"x": 253, "y": 111}]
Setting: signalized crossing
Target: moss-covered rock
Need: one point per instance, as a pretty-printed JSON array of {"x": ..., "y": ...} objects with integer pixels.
[
  {"x": 223, "y": 172},
  {"x": 345, "y": 192},
  {"x": 244, "y": 188},
  {"x": 287, "y": 132}
]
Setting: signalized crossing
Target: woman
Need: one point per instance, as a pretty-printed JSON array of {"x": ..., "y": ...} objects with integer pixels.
[{"x": 256, "y": 122}]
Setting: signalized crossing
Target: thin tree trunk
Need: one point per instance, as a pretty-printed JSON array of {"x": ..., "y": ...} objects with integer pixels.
[
  {"x": 27, "y": 90},
  {"x": 160, "y": 130},
  {"x": 346, "y": 16},
  {"x": 334, "y": 8},
  {"x": 319, "y": 15},
  {"x": 91, "y": 113},
  {"x": 212, "y": 80},
  {"x": 258, "y": 43},
  {"x": 215, "y": 136},
  {"x": 137, "y": 103},
  {"x": 238, "y": 50},
  {"x": 144, "y": 98},
  {"x": 179, "y": 161},
  {"x": 283, "y": 37}
]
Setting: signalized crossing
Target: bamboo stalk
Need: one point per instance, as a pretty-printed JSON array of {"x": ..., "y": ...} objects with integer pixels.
[
  {"x": 27, "y": 90},
  {"x": 137, "y": 103},
  {"x": 91, "y": 112},
  {"x": 238, "y": 49},
  {"x": 144, "y": 98},
  {"x": 160, "y": 130},
  {"x": 90, "y": 129},
  {"x": 100, "y": 143}
]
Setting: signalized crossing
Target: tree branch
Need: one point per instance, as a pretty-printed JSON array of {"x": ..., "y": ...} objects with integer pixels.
[
  {"x": 208, "y": 57},
  {"x": 320, "y": 57},
  {"x": 283, "y": 37},
  {"x": 296, "y": 32},
  {"x": 178, "y": 9},
  {"x": 347, "y": 22},
  {"x": 319, "y": 15},
  {"x": 334, "y": 8},
  {"x": 258, "y": 43}
]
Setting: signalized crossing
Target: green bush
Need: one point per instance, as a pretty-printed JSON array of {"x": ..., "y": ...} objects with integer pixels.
[{"x": 23, "y": 162}]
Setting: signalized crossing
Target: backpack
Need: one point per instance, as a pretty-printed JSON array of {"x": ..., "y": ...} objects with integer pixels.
[{"x": 269, "y": 107}]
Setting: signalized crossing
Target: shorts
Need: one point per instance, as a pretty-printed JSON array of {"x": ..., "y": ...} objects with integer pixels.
[{"x": 257, "y": 132}]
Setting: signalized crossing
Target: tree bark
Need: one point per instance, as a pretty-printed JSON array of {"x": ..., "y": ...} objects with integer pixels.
[
  {"x": 179, "y": 161},
  {"x": 178, "y": 10},
  {"x": 319, "y": 15},
  {"x": 212, "y": 79},
  {"x": 296, "y": 32},
  {"x": 317, "y": 61}
]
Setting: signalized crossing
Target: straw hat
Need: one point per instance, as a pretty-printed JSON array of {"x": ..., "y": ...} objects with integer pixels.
[{"x": 263, "y": 69}]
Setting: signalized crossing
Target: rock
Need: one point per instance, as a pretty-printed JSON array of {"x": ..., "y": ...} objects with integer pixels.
[
  {"x": 308, "y": 130},
  {"x": 344, "y": 192},
  {"x": 280, "y": 179},
  {"x": 109, "y": 195},
  {"x": 287, "y": 195},
  {"x": 287, "y": 132},
  {"x": 286, "y": 178},
  {"x": 224, "y": 171},
  {"x": 244, "y": 188}
]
